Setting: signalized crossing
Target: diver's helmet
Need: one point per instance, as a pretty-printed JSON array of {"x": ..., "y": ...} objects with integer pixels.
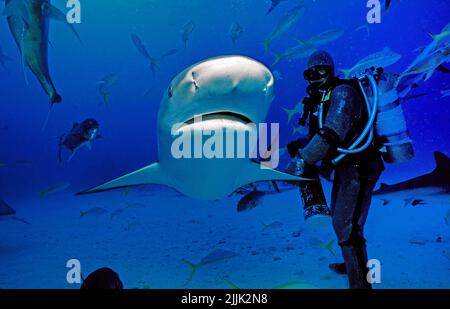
[{"x": 320, "y": 68}]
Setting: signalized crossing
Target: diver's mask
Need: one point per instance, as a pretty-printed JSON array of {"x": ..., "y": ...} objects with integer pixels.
[
  {"x": 317, "y": 76},
  {"x": 92, "y": 134}
]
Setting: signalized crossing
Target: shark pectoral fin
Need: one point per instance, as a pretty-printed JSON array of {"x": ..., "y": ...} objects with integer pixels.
[
  {"x": 151, "y": 174},
  {"x": 255, "y": 172}
]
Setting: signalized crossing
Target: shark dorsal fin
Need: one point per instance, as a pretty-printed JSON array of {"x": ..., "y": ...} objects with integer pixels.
[
  {"x": 442, "y": 162},
  {"x": 383, "y": 185}
]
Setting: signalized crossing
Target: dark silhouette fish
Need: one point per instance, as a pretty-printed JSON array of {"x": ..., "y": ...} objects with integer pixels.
[
  {"x": 29, "y": 27},
  {"x": 274, "y": 5},
  {"x": 250, "y": 201},
  {"x": 102, "y": 279},
  {"x": 213, "y": 257},
  {"x": 82, "y": 134},
  {"x": 6, "y": 212},
  {"x": 435, "y": 183},
  {"x": 144, "y": 52},
  {"x": 186, "y": 32}
]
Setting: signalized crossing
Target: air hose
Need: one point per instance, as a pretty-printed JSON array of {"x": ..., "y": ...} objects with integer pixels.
[{"x": 368, "y": 132}]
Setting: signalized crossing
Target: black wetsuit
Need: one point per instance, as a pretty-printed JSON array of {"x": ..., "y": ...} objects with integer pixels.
[{"x": 355, "y": 176}]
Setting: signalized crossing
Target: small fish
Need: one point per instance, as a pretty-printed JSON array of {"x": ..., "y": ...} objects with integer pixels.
[
  {"x": 383, "y": 58},
  {"x": 213, "y": 257},
  {"x": 144, "y": 52},
  {"x": 117, "y": 212},
  {"x": 320, "y": 244},
  {"x": 95, "y": 212},
  {"x": 447, "y": 218},
  {"x": 296, "y": 130},
  {"x": 445, "y": 93},
  {"x": 170, "y": 52},
  {"x": 186, "y": 32},
  {"x": 271, "y": 226},
  {"x": 415, "y": 203},
  {"x": 285, "y": 23},
  {"x": 302, "y": 50},
  {"x": 236, "y": 32},
  {"x": 250, "y": 201},
  {"x": 291, "y": 112},
  {"x": 104, "y": 86},
  {"x": 291, "y": 285},
  {"x": 324, "y": 37},
  {"x": 429, "y": 64},
  {"x": 53, "y": 189}
]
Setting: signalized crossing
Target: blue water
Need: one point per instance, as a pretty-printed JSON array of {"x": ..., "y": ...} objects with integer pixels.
[{"x": 128, "y": 125}]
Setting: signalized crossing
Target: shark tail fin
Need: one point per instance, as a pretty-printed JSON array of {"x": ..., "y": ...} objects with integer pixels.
[
  {"x": 442, "y": 163},
  {"x": 150, "y": 174},
  {"x": 193, "y": 267},
  {"x": 232, "y": 285},
  {"x": 329, "y": 247},
  {"x": 278, "y": 58}
]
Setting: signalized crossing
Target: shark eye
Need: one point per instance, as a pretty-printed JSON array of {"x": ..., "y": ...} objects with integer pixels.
[{"x": 170, "y": 94}]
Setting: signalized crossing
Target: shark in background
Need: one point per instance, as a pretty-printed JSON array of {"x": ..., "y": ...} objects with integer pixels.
[
  {"x": 417, "y": 190},
  {"x": 29, "y": 27},
  {"x": 9, "y": 214}
]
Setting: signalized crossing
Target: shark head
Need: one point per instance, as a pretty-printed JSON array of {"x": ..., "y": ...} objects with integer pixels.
[
  {"x": 235, "y": 88},
  {"x": 230, "y": 94}
]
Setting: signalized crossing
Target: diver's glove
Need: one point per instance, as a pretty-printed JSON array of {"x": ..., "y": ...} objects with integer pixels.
[
  {"x": 293, "y": 147},
  {"x": 296, "y": 167}
]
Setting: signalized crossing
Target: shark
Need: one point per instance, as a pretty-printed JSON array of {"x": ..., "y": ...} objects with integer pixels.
[
  {"x": 229, "y": 92},
  {"x": 29, "y": 27},
  {"x": 7, "y": 213},
  {"x": 415, "y": 190}
]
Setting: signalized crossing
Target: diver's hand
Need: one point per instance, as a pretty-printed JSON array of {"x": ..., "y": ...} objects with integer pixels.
[
  {"x": 296, "y": 167},
  {"x": 293, "y": 147}
]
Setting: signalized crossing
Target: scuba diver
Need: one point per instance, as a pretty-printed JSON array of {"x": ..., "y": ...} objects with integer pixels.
[
  {"x": 340, "y": 119},
  {"x": 81, "y": 134}
]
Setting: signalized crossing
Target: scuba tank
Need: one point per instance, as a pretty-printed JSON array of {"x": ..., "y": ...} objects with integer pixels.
[{"x": 386, "y": 124}]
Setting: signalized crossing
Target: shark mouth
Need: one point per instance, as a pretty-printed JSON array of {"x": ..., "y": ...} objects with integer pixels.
[{"x": 219, "y": 115}]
